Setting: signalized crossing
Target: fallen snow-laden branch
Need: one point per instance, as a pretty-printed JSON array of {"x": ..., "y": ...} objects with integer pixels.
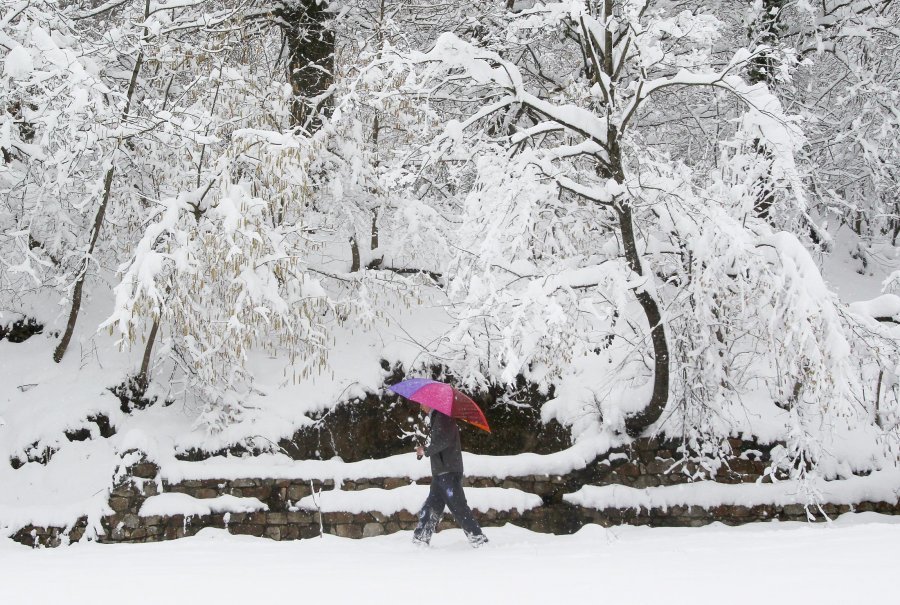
[
  {"x": 882, "y": 308},
  {"x": 880, "y": 486},
  {"x": 182, "y": 504},
  {"x": 410, "y": 498}
]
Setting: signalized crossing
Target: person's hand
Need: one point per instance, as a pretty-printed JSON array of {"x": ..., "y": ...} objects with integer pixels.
[{"x": 420, "y": 451}]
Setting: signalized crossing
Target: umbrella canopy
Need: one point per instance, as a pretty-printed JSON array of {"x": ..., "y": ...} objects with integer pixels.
[{"x": 444, "y": 398}]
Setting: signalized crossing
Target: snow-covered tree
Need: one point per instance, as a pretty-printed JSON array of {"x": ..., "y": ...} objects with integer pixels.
[
  {"x": 611, "y": 198},
  {"x": 836, "y": 63},
  {"x": 55, "y": 122},
  {"x": 595, "y": 238}
]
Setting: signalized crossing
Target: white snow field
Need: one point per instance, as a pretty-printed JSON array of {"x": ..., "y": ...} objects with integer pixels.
[{"x": 851, "y": 560}]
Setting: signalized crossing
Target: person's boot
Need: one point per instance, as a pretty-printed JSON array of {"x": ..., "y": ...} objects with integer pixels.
[
  {"x": 425, "y": 529},
  {"x": 477, "y": 540}
]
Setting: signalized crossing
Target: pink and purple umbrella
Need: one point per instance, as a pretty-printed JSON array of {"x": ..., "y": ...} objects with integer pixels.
[{"x": 442, "y": 397}]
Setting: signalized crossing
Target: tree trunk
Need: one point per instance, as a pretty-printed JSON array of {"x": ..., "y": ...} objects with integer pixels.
[
  {"x": 637, "y": 423},
  {"x": 77, "y": 291},
  {"x": 375, "y": 263},
  {"x": 354, "y": 255},
  {"x": 82, "y": 274},
  {"x": 144, "y": 374},
  {"x": 310, "y": 45},
  {"x": 767, "y": 31}
]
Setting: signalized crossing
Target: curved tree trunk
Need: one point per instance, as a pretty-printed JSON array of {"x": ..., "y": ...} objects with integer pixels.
[
  {"x": 639, "y": 422},
  {"x": 63, "y": 345},
  {"x": 77, "y": 291}
]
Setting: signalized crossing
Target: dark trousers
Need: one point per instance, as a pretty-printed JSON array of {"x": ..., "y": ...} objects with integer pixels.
[{"x": 446, "y": 491}]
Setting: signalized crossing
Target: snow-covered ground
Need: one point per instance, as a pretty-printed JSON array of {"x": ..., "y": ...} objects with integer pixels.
[{"x": 852, "y": 560}]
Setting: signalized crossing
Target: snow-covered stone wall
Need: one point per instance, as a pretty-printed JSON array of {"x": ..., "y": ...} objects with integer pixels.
[{"x": 640, "y": 484}]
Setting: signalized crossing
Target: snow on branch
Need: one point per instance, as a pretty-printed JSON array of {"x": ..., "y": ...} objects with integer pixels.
[
  {"x": 486, "y": 67},
  {"x": 882, "y": 308}
]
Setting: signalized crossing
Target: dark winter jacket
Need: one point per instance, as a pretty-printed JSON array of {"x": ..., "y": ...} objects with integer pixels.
[{"x": 443, "y": 446}]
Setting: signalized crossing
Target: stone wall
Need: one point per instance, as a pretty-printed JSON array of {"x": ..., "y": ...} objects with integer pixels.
[
  {"x": 21, "y": 330},
  {"x": 646, "y": 463},
  {"x": 653, "y": 463},
  {"x": 695, "y": 516}
]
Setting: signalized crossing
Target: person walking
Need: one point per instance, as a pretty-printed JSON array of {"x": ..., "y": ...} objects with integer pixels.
[{"x": 445, "y": 451}]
